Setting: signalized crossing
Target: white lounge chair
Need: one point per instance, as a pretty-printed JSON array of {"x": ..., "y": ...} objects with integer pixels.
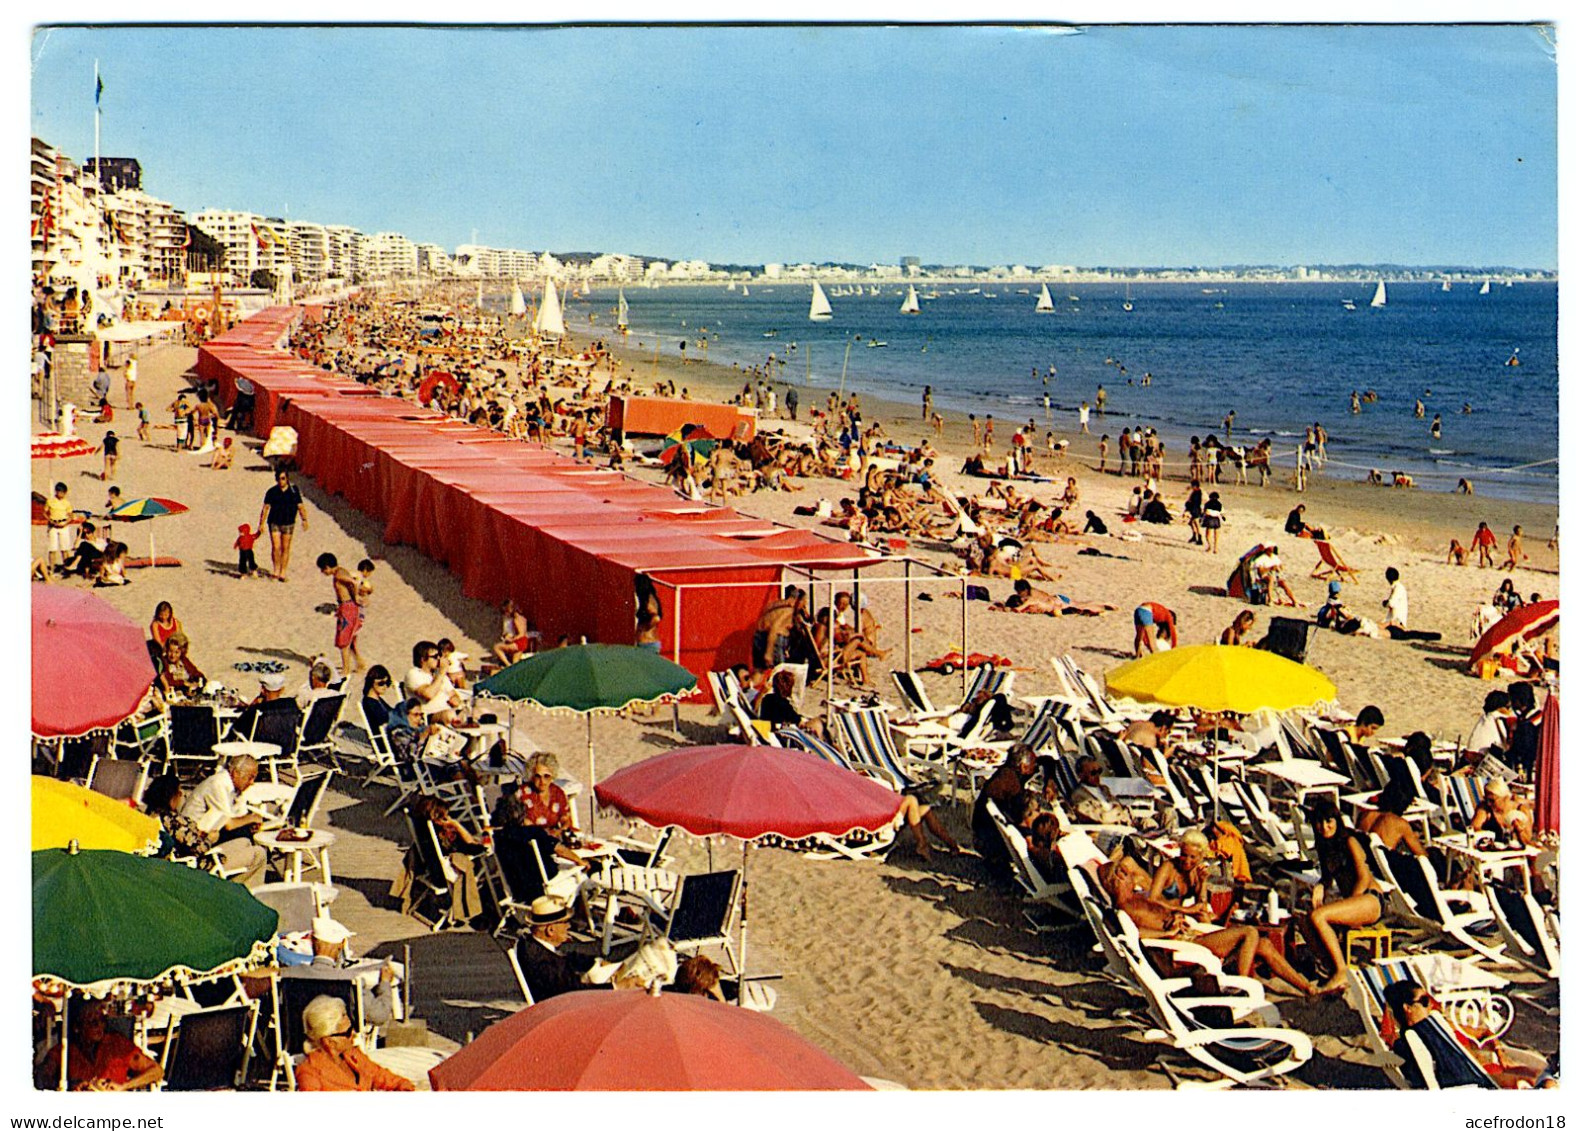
[{"x": 1462, "y": 917}]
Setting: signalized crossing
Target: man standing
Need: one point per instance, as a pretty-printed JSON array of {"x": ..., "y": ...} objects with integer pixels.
[
  {"x": 792, "y": 400},
  {"x": 58, "y": 514},
  {"x": 282, "y": 505},
  {"x": 131, "y": 381}
]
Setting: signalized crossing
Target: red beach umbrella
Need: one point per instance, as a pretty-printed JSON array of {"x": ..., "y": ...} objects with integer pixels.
[
  {"x": 627, "y": 1041},
  {"x": 1521, "y": 624},
  {"x": 432, "y": 381},
  {"x": 52, "y": 445},
  {"x": 90, "y": 665},
  {"x": 748, "y": 792},
  {"x": 1546, "y": 807}
]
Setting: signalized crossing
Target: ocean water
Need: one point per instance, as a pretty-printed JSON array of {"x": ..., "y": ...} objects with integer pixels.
[{"x": 1281, "y": 355}]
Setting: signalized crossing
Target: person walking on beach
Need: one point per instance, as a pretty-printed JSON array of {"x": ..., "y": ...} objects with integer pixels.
[
  {"x": 1083, "y": 418},
  {"x": 112, "y": 456},
  {"x": 990, "y": 432},
  {"x": 1105, "y": 444},
  {"x": 1214, "y": 515},
  {"x": 925, "y": 403},
  {"x": 791, "y": 399},
  {"x": 347, "y": 612},
  {"x": 282, "y": 505},
  {"x": 1513, "y": 550},
  {"x": 974, "y": 423},
  {"x": 1099, "y": 400},
  {"x": 1484, "y": 543},
  {"x": 131, "y": 381}
]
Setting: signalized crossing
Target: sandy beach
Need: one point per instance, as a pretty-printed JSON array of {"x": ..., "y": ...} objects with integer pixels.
[{"x": 923, "y": 973}]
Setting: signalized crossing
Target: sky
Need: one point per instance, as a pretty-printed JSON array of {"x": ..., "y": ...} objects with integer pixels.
[{"x": 1119, "y": 146}]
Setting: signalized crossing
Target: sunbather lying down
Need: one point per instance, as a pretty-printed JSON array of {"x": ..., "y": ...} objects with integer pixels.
[{"x": 1027, "y": 599}]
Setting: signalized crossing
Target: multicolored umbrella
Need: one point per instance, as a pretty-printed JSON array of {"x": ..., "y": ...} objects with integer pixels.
[
  {"x": 1521, "y": 624},
  {"x": 90, "y": 665},
  {"x": 590, "y": 679},
  {"x": 749, "y": 792},
  {"x": 139, "y": 510},
  {"x": 628, "y": 1041},
  {"x": 697, "y": 443},
  {"x": 64, "y": 812},
  {"x": 106, "y": 920}
]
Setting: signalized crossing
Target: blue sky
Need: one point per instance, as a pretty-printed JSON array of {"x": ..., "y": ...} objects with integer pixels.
[{"x": 1118, "y": 146}]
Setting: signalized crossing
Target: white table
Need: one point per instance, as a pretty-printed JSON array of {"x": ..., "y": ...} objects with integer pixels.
[
  {"x": 317, "y": 844},
  {"x": 1488, "y": 863},
  {"x": 1302, "y": 773},
  {"x": 262, "y": 751}
]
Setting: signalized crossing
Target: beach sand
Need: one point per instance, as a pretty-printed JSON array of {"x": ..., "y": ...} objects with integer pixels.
[{"x": 924, "y": 974}]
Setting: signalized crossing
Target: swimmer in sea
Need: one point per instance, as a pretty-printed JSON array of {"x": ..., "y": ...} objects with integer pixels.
[{"x": 1435, "y": 427}]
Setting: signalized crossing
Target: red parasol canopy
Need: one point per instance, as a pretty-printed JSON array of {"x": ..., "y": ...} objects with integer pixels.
[
  {"x": 625, "y": 1040},
  {"x": 432, "y": 381},
  {"x": 52, "y": 445},
  {"x": 1546, "y": 810},
  {"x": 90, "y": 665},
  {"x": 748, "y": 792},
  {"x": 1523, "y": 623}
]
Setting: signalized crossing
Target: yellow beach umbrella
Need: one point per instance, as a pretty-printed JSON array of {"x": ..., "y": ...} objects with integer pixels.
[
  {"x": 63, "y": 812},
  {"x": 1220, "y": 677}
]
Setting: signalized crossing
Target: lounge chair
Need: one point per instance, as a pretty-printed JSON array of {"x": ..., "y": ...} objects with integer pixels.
[
  {"x": 209, "y": 1049},
  {"x": 433, "y": 876},
  {"x": 1524, "y": 923},
  {"x": 1037, "y": 889},
  {"x": 316, "y": 735},
  {"x": 868, "y": 746},
  {"x": 1331, "y": 564},
  {"x": 1441, "y": 1061},
  {"x": 1462, "y": 917},
  {"x": 122, "y": 779},
  {"x": 1469, "y": 995}
]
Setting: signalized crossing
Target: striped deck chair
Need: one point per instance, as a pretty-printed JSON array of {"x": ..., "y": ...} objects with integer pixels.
[
  {"x": 1478, "y": 1007},
  {"x": 868, "y": 742},
  {"x": 1463, "y": 796},
  {"x": 1524, "y": 922},
  {"x": 1331, "y": 564},
  {"x": 914, "y": 698},
  {"x": 1440, "y": 1060}
]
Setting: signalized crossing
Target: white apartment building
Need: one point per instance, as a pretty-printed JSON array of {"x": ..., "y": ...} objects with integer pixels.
[
  {"x": 478, "y": 261},
  {"x": 345, "y": 258},
  {"x": 251, "y": 242},
  {"x": 309, "y": 251},
  {"x": 433, "y": 260},
  {"x": 389, "y": 255},
  {"x": 616, "y": 267}
]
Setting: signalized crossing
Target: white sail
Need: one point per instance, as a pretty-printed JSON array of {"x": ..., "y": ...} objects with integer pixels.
[
  {"x": 1045, "y": 305},
  {"x": 1380, "y": 297},
  {"x": 549, "y": 321},
  {"x": 746, "y": 290},
  {"x": 1445, "y": 286},
  {"x": 516, "y": 299},
  {"x": 478, "y": 296},
  {"x": 910, "y": 304},
  {"x": 623, "y": 311},
  {"x": 820, "y": 309},
  {"x": 1483, "y": 290}
]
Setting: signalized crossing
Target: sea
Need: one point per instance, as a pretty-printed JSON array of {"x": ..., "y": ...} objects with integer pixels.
[{"x": 1282, "y": 356}]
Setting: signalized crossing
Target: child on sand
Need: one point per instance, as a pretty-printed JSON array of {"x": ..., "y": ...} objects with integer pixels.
[
  {"x": 1513, "y": 550},
  {"x": 143, "y": 426},
  {"x": 1484, "y": 543},
  {"x": 364, "y": 570},
  {"x": 1457, "y": 554},
  {"x": 112, "y": 457},
  {"x": 223, "y": 455},
  {"x": 246, "y": 561}
]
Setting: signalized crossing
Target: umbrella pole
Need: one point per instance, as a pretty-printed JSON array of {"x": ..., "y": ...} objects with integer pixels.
[
  {"x": 591, "y": 760},
  {"x": 744, "y": 920},
  {"x": 65, "y": 1036}
]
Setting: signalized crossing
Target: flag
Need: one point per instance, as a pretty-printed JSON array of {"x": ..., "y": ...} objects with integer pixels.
[
  {"x": 98, "y": 90},
  {"x": 187, "y": 242},
  {"x": 262, "y": 240}
]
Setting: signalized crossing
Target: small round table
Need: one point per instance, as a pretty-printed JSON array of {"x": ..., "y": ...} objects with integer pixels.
[{"x": 317, "y": 844}]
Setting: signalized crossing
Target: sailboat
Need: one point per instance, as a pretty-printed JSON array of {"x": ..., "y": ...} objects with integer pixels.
[
  {"x": 1380, "y": 297},
  {"x": 1483, "y": 290},
  {"x": 623, "y": 313},
  {"x": 820, "y": 309},
  {"x": 746, "y": 292},
  {"x": 549, "y": 321},
  {"x": 1045, "y": 305},
  {"x": 911, "y": 303},
  {"x": 1127, "y": 298},
  {"x": 1445, "y": 286},
  {"x": 516, "y": 300},
  {"x": 478, "y": 296},
  {"x": 731, "y": 286}
]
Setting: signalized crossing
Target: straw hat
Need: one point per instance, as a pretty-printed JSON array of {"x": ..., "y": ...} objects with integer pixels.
[{"x": 546, "y": 909}]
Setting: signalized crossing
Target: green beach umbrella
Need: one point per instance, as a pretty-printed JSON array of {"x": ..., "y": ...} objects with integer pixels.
[
  {"x": 589, "y": 679},
  {"x": 106, "y": 920}
]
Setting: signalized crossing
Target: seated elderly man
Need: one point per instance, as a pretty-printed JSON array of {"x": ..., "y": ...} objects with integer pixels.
[
  {"x": 316, "y": 686},
  {"x": 329, "y": 963},
  {"x": 215, "y": 805},
  {"x": 334, "y": 1063},
  {"x": 1092, "y": 803},
  {"x": 547, "y": 970}
]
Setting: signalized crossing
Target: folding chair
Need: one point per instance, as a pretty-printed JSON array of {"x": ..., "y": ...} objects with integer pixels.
[
  {"x": 295, "y": 993},
  {"x": 316, "y": 735},
  {"x": 1331, "y": 564},
  {"x": 384, "y": 767},
  {"x": 296, "y": 904},
  {"x": 1463, "y": 917},
  {"x": 194, "y": 731},
  {"x": 1037, "y": 889},
  {"x": 1463, "y": 797},
  {"x": 122, "y": 779},
  {"x": 701, "y": 914},
  {"x": 914, "y": 698},
  {"x": 278, "y": 721},
  {"x": 308, "y": 797},
  {"x": 1524, "y": 923},
  {"x": 209, "y": 1049},
  {"x": 868, "y": 744},
  {"x": 149, "y": 737},
  {"x": 1441, "y": 1061},
  {"x": 432, "y": 875}
]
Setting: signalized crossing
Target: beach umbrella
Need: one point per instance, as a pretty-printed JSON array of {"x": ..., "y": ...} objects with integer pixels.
[
  {"x": 144, "y": 510},
  {"x": 90, "y": 665},
  {"x": 52, "y": 445},
  {"x": 626, "y": 1041},
  {"x": 1521, "y": 624},
  {"x": 64, "y": 812},
  {"x": 748, "y": 792},
  {"x": 1220, "y": 677},
  {"x": 1546, "y": 810},
  {"x": 589, "y": 679},
  {"x": 430, "y": 383},
  {"x": 106, "y": 920}
]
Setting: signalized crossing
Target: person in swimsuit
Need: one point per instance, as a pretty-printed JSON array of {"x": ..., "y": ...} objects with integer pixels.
[
  {"x": 282, "y": 505},
  {"x": 347, "y": 612},
  {"x": 1149, "y": 619},
  {"x": 1345, "y": 875},
  {"x": 514, "y": 638}
]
